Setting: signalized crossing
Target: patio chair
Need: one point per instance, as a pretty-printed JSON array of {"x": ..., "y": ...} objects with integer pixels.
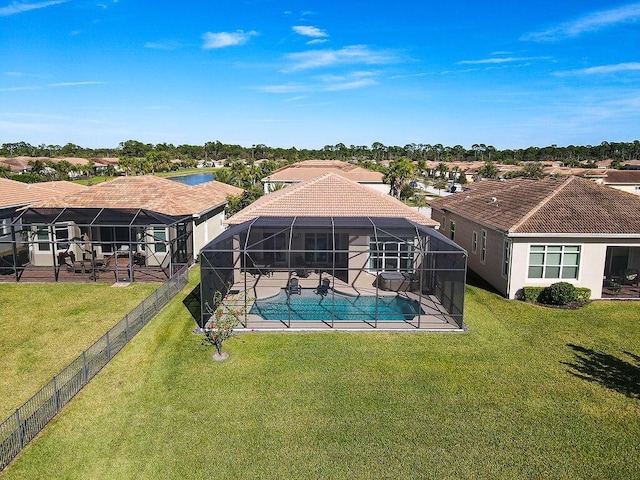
[
  {"x": 293, "y": 286},
  {"x": 324, "y": 287},
  {"x": 631, "y": 277}
]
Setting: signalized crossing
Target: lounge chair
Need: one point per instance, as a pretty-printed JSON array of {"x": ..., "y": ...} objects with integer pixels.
[
  {"x": 293, "y": 286},
  {"x": 324, "y": 287}
]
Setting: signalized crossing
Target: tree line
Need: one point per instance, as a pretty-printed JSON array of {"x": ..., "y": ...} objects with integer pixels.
[{"x": 571, "y": 155}]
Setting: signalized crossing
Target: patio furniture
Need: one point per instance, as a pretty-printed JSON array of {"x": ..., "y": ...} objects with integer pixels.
[
  {"x": 293, "y": 287},
  {"x": 396, "y": 281},
  {"x": 631, "y": 277},
  {"x": 301, "y": 270},
  {"x": 324, "y": 286}
]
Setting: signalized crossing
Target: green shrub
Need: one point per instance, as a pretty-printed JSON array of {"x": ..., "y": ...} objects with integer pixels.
[
  {"x": 560, "y": 293},
  {"x": 530, "y": 294},
  {"x": 583, "y": 294}
]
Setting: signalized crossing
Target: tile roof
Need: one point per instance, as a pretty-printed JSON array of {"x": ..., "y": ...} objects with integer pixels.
[
  {"x": 218, "y": 188},
  {"x": 299, "y": 172},
  {"x": 147, "y": 192},
  {"x": 561, "y": 205},
  {"x": 328, "y": 195},
  {"x": 622, "y": 176},
  {"x": 14, "y": 193}
]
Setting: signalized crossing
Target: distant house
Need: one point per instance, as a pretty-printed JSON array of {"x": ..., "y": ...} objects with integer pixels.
[
  {"x": 525, "y": 232},
  {"x": 625, "y": 180},
  {"x": 141, "y": 221},
  {"x": 339, "y": 243},
  {"x": 299, "y": 172}
]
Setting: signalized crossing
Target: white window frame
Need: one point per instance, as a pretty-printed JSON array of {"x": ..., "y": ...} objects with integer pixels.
[
  {"x": 474, "y": 242},
  {"x": 383, "y": 253},
  {"x": 452, "y": 230},
  {"x": 483, "y": 246},
  {"x": 153, "y": 246},
  {"x": 506, "y": 258},
  {"x": 561, "y": 266}
]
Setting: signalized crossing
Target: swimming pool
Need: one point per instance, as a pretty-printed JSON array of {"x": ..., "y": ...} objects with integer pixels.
[{"x": 310, "y": 306}]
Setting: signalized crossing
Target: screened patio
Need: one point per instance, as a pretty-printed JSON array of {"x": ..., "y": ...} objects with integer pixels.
[
  {"x": 94, "y": 244},
  {"x": 336, "y": 273}
]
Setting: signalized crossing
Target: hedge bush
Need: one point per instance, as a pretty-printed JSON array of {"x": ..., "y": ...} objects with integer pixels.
[
  {"x": 531, "y": 294},
  {"x": 559, "y": 293}
]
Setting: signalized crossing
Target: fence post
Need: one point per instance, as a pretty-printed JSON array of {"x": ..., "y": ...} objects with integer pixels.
[
  {"x": 56, "y": 397},
  {"x": 84, "y": 367},
  {"x": 19, "y": 427}
]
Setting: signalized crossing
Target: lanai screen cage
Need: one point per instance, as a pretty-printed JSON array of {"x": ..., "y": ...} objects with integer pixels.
[
  {"x": 54, "y": 244},
  {"x": 349, "y": 272}
]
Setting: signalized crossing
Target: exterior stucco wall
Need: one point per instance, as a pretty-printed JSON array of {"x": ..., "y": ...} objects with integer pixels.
[
  {"x": 206, "y": 228},
  {"x": 635, "y": 189},
  {"x": 491, "y": 267},
  {"x": 593, "y": 253}
]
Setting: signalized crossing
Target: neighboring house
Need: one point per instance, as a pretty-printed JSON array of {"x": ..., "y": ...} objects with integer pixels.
[
  {"x": 16, "y": 195},
  {"x": 625, "y": 180},
  {"x": 302, "y": 171},
  {"x": 525, "y": 232},
  {"x": 149, "y": 221},
  {"x": 332, "y": 233}
]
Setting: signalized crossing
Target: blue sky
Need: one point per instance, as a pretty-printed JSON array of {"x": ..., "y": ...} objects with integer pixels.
[{"x": 309, "y": 73}]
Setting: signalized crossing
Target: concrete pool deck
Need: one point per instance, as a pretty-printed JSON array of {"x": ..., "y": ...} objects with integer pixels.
[{"x": 433, "y": 319}]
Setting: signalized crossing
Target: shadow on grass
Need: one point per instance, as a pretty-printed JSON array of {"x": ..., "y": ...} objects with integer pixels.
[
  {"x": 192, "y": 302},
  {"x": 611, "y": 372},
  {"x": 476, "y": 280}
]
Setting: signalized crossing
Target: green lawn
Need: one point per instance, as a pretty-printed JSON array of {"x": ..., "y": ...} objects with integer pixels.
[
  {"x": 44, "y": 326},
  {"x": 504, "y": 400}
]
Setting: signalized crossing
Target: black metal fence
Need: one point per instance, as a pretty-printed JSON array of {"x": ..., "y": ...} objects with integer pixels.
[{"x": 21, "y": 427}]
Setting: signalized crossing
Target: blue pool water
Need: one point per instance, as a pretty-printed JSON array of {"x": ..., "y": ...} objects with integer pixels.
[
  {"x": 194, "y": 178},
  {"x": 311, "y": 306}
]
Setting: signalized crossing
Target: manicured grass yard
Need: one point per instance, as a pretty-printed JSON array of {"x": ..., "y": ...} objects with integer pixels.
[
  {"x": 502, "y": 401},
  {"x": 44, "y": 326}
]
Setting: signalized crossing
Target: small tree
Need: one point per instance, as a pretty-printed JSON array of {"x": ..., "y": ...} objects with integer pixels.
[{"x": 225, "y": 316}]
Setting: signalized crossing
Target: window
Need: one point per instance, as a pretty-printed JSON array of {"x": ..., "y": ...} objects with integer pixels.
[
  {"x": 483, "y": 246},
  {"x": 43, "y": 239},
  {"x": 554, "y": 261},
  {"x": 316, "y": 246},
  {"x": 452, "y": 230},
  {"x": 390, "y": 254},
  {"x": 277, "y": 242},
  {"x": 62, "y": 237},
  {"x": 474, "y": 242},
  {"x": 5, "y": 226},
  {"x": 506, "y": 258},
  {"x": 159, "y": 239}
]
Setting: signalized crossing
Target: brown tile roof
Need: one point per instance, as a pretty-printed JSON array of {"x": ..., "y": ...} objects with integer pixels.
[
  {"x": 147, "y": 192},
  {"x": 564, "y": 205},
  {"x": 299, "y": 172},
  {"x": 329, "y": 195},
  {"x": 14, "y": 193},
  {"x": 622, "y": 176}
]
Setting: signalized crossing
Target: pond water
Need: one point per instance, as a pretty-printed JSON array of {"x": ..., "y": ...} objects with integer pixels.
[{"x": 194, "y": 178}]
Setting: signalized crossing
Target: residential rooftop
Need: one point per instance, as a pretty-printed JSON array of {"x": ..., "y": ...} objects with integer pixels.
[
  {"x": 571, "y": 205},
  {"x": 147, "y": 192},
  {"x": 14, "y": 193},
  {"x": 299, "y": 172},
  {"x": 328, "y": 195}
]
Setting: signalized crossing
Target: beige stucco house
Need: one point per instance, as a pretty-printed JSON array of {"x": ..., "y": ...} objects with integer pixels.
[{"x": 525, "y": 232}]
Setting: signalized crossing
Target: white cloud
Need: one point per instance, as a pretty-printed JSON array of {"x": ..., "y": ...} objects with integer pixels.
[
  {"x": 19, "y": 7},
  {"x": 309, "y": 31},
  {"x": 325, "y": 83},
  {"x": 317, "y": 41},
  {"x": 603, "y": 69},
  {"x": 170, "y": 45},
  {"x": 354, "y": 54},
  {"x": 73, "y": 84},
  {"x": 497, "y": 60},
  {"x": 588, "y": 23},
  {"x": 226, "y": 39}
]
